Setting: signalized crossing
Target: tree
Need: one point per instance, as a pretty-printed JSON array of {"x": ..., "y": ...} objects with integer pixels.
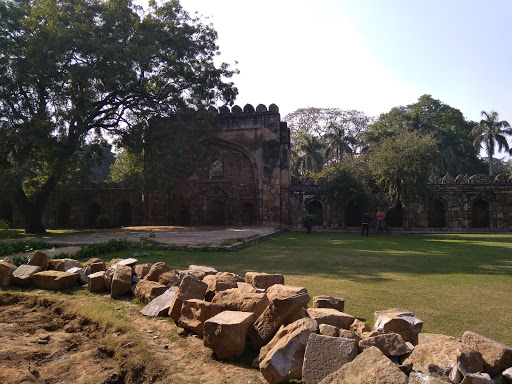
[
  {"x": 339, "y": 142},
  {"x": 72, "y": 70},
  {"x": 309, "y": 154},
  {"x": 402, "y": 165},
  {"x": 489, "y": 132},
  {"x": 430, "y": 116},
  {"x": 128, "y": 168}
]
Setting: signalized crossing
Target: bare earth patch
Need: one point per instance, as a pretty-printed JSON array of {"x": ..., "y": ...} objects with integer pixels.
[{"x": 42, "y": 341}]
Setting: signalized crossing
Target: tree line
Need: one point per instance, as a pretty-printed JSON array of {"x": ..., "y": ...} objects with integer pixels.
[{"x": 388, "y": 160}]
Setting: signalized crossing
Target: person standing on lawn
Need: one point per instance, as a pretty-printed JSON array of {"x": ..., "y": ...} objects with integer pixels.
[
  {"x": 381, "y": 215},
  {"x": 365, "y": 221}
]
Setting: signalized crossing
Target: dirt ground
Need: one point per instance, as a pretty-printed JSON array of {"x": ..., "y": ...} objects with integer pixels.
[{"x": 43, "y": 341}]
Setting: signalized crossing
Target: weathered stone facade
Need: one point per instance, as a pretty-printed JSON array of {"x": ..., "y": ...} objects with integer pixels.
[{"x": 243, "y": 179}]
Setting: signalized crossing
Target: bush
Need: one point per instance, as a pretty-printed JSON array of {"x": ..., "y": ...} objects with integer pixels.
[
  {"x": 92, "y": 250},
  {"x": 19, "y": 260},
  {"x": 4, "y": 225},
  {"x": 307, "y": 220},
  {"x": 22, "y": 246},
  {"x": 103, "y": 221}
]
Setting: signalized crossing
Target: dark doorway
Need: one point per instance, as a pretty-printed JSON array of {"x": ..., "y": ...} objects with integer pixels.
[
  {"x": 215, "y": 213},
  {"x": 93, "y": 211},
  {"x": 184, "y": 215},
  {"x": 124, "y": 214},
  {"x": 63, "y": 214},
  {"x": 353, "y": 215},
  {"x": 6, "y": 212},
  {"x": 248, "y": 214},
  {"x": 480, "y": 214},
  {"x": 395, "y": 216},
  {"x": 315, "y": 208},
  {"x": 437, "y": 215}
]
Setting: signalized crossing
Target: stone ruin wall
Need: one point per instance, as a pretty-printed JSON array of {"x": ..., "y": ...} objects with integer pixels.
[
  {"x": 255, "y": 188},
  {"x": 462, "y": 203}
]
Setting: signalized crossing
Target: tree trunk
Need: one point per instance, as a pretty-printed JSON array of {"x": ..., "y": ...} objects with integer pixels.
[
  {"x": 491, "y": 168},
  {"x": 32, "y": 210}
]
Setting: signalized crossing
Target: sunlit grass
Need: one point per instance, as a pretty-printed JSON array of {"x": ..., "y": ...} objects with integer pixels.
[{"x": 453, "y": 283}]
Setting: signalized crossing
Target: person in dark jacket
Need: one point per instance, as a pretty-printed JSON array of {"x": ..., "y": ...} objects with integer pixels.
[{"x": 365, "y": 221}]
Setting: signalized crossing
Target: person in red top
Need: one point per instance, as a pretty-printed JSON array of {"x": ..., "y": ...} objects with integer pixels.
[{"x": 381, "y": 215}]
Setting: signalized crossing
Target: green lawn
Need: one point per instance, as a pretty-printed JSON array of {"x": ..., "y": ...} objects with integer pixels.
[{"x": 452, "y": 282}]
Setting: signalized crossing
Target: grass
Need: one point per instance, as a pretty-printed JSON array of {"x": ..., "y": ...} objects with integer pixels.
[{"x": 453, "y": 283}]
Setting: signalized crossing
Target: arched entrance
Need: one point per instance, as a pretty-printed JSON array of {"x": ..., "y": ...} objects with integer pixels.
[
  {"x": 395, "y": 216},
  {"x": 480, "y": 214},
  {"x": 6, "y": 212},
  {"x": 124, "y": 214},
  {"x": 353, "y": 214},
  {"x": 63, "y": 214},
  {"x": 248, "y": 214},
  {"x": 315, "y": 208},
  {"x": 93, "y": 211},
  {"x": 216, "y": 211},
  {"x": 437, "y": 215}
]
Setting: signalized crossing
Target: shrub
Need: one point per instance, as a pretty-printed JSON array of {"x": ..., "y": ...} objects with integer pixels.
[
  {"x": 103, "y": 221},
  {"x": 92, "y": 250},
  {"x": 22, "y": 246},
  {"x": 19, "y": 260},
  {"x": 307, "y": 220},
  {"x": 4, "y": 225}
]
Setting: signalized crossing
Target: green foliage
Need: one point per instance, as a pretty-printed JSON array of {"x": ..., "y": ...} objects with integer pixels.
[
  {"x": 402, "y": 165},
  {"x": 447, "y": 126},
  {"x": 308, "y": 220},
  {"x": 4, "y": 225},
  {"x": 73, "y": 72},
  {"x": 103, "y": 221},
  {"x": 93, "y": 250},
  {"x": 489, "y": 133},
  {"x": 22, "y": 246},
  {"x": 128, "y": 168},
  {"x": 19, "y": 260},
  {"x": 64, "y": 255}
]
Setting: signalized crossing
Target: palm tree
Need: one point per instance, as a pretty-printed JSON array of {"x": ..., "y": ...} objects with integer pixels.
[
  {"x": 339, "y": 143},
  {"x": 311, "y": 154},
  {"x": 489, "y": 132}
]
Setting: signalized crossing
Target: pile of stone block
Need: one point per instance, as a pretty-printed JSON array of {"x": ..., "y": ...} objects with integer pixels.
[{"x": 319, "y": 344}]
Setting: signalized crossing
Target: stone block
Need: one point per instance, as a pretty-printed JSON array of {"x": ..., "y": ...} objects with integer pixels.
[
  {"x": 331, "y": 316},
  {"x": 285, "y": 302},
  {"x": 226, "y": 333},
  {"x": 54, "y": 280},
  {"x": 141, "y": 270},
  {"x": 6, "y": 271},
  {"x": 121, "y": 281},
  {"x": 39, "y": 259},
  {"x": 497, "y": 356},
  {"x": 156, "y": 270},
  {"x": 96, "y": 282},
  {"x": 325, "y": 355},
  {"x": 160, "y": 305},
  {"x": 195, "y": 312},
  {"x": 400, "y": 321},
  {"x": 22, "y": 275},
  {"x": 190, "y": 288},
  {"x": 328, "y": 302},
  {"x": 263, "y": 280},
  {"x": 371, "y": 366},
  {"x": 147, "y": 290},
  {"x": 390, "y": 344},
  {"x": 239, "y": 300}
]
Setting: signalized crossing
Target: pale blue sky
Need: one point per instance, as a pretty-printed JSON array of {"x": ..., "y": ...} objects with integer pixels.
[{"x": 369, "y": 55}]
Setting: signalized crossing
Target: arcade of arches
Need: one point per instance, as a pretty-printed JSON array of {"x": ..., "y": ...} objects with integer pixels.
[{"x": 243, "y": 178}]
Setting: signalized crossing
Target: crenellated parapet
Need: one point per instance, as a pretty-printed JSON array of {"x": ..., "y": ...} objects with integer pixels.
[
  {"x": 248, "y": 109},
  {"x": 480, "y": 179}
]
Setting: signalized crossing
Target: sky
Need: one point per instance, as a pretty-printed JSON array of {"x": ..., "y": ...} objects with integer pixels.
[{"x": 368, "y": 55}]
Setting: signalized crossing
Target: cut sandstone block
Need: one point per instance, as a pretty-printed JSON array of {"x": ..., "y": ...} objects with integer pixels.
[
  {"x": 160, "y": 305},
  {"x": 54, "y": 280},
  {"x": 195, "y": 312},
  {"x": 285, "y": 303},
  {"x": 263, "y": 280},
  {"x": 239, "y": 300},
  {"x": 328, "y": 302},
  {"x": 325, "y": 355},
  {"x": 39, "y": 259},
  {"x": 226, "y": 333},
  {"x": 390, "y": 344},
  {"x": 497, "y": 356},
  {"x": 331, "y": 316},
  {"x": 96, "y": 282},
  {"x": 400, "y": 321},
  {"x": 190, "y": 288},
  {"x": 121, "y": 281},
  {"x": 22, "y": 275},
  {"x": 147, "y": 290}
]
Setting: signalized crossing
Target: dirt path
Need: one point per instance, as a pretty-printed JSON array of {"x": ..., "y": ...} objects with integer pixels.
[{"x": 42, "y": 342}]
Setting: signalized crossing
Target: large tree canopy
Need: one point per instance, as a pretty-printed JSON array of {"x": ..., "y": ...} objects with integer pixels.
[
  {"x": 448, "y": 126},
  {"x": 72, "y": 69}
]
